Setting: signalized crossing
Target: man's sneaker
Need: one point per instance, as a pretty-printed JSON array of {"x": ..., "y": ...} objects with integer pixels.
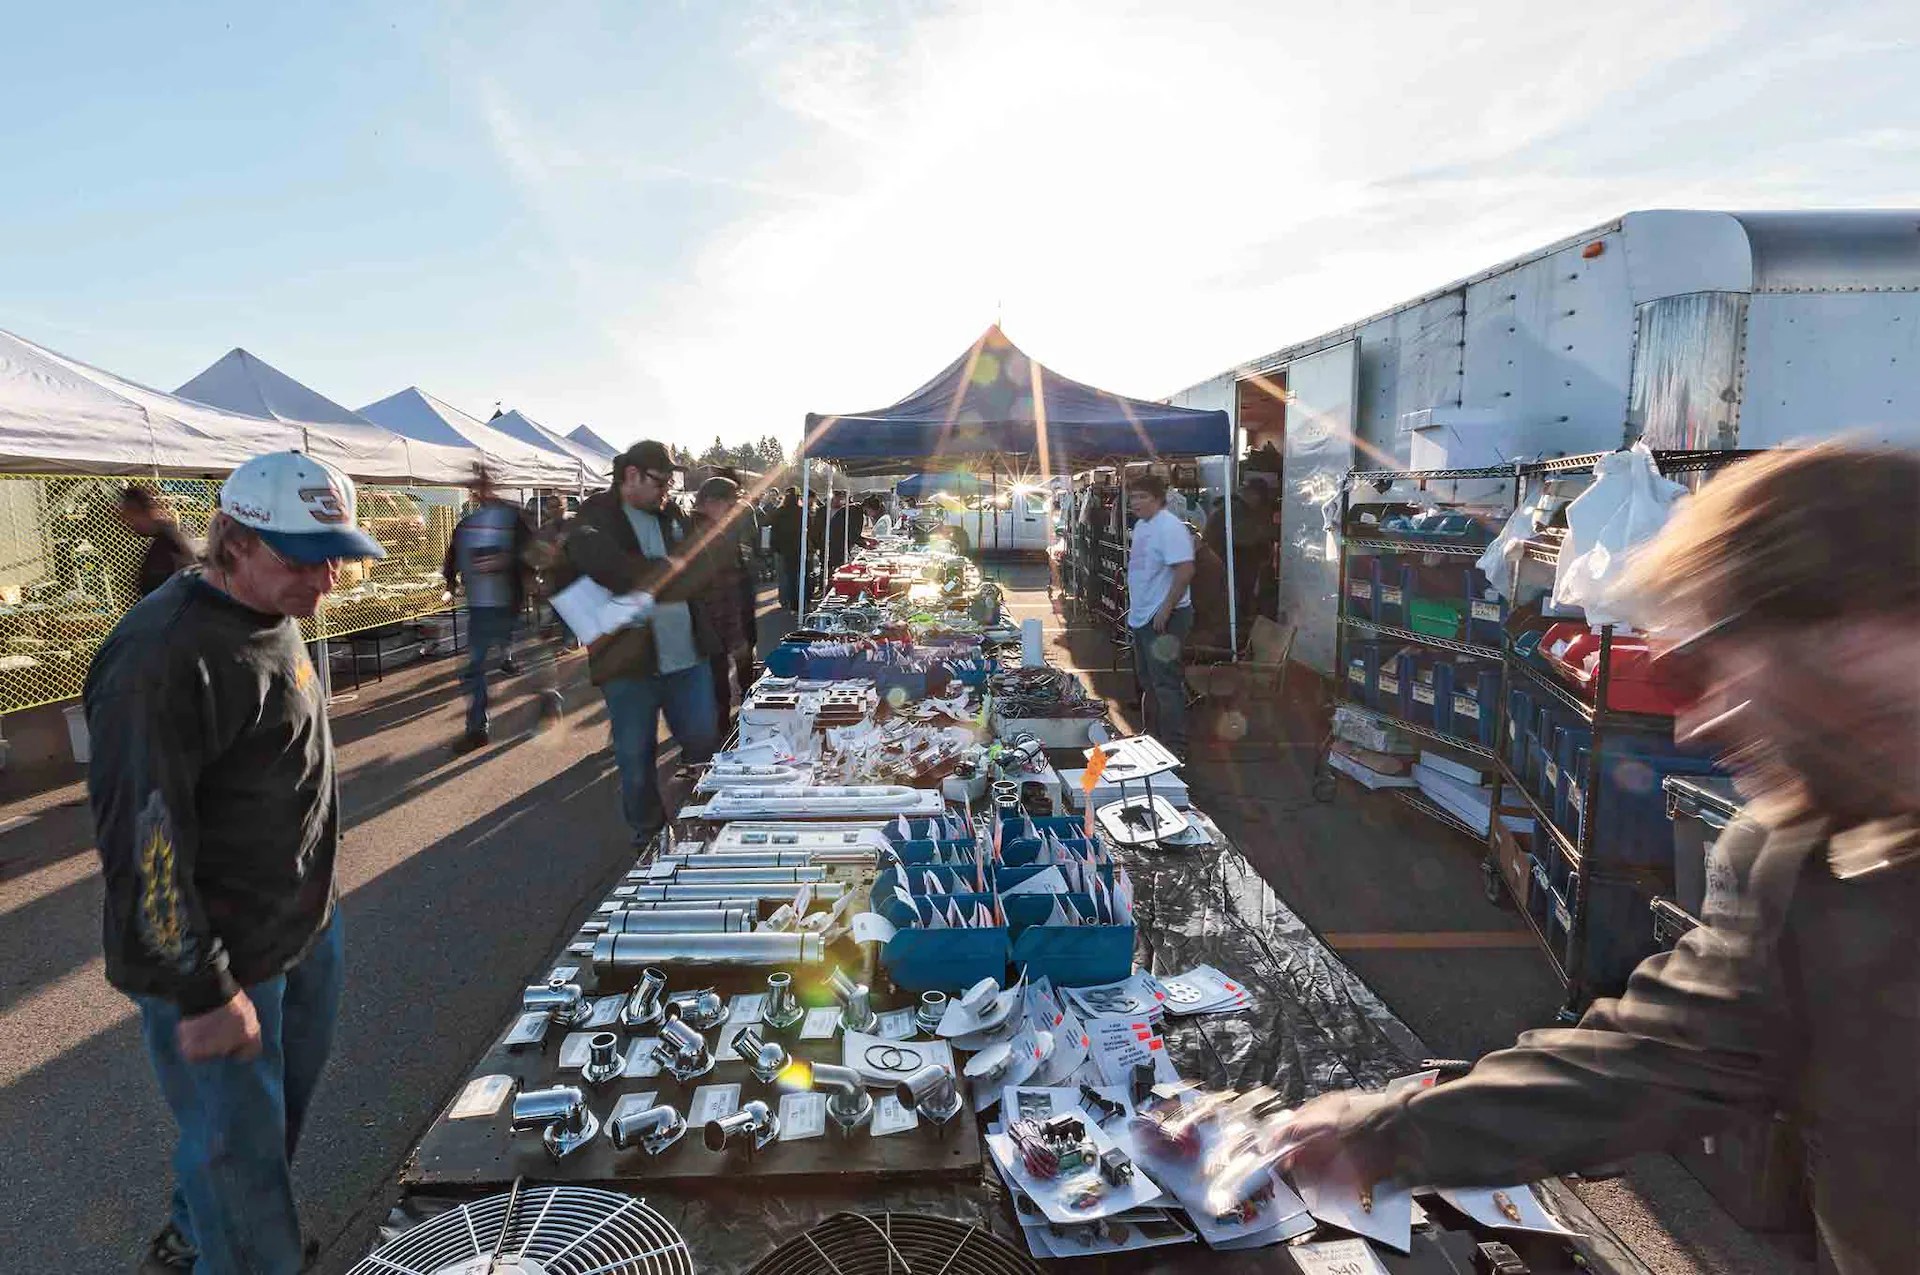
[
  {"x": 168, "y": 1252},
  {"x": 472, "y": 741},
  {"x": 509, "y": 667}
]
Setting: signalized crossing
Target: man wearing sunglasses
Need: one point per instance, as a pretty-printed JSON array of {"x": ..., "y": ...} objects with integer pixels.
[
  {"x": 216, "y": 813},
  {"x": 1786, "y": 600},
  {"x": 632, "y": 539}
]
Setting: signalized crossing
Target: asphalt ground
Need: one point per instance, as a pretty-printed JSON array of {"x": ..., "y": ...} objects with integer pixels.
[{"x": 461, "y": 874}]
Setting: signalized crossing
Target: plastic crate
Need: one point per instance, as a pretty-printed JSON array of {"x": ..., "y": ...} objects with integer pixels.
[
  {"x": 1419, "y": 690},
  {"x": 1700, "y": 807},
  {"x": 1618, "y": 934},
  {"x": 1390, "y": 582},
  {"x": 1572, "y": 741},
  {"x": 1471, "y": 692},
  {"x": 1540, "y": 895},
  {"x": 1631, "y": 827},
  {"x": 1486, "y": 610},
  {"x": 1437, "y": 617},
  {"x": 1519, "y": 728}
]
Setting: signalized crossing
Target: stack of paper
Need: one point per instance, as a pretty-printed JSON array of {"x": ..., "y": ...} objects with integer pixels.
[{"x": 1203, "y": 990}]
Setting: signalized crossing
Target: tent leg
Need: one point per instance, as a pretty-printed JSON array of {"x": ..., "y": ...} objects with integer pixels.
[{"x": 1233, "y": 487}]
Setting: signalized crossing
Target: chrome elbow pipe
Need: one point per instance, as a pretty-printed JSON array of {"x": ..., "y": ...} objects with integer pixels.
[
  {"x": 652, "y": 1130},
  {"x": 752, "y": 1129},
  {"x": 856, "y": 1003},
  {"x": 560, "y": 1114},
  {"x": 764, "y": 1058},
  {"x": 614, "y": 954},
  {"x": 682, "y": 1052},
  {"x": 849, "y": 1105},
  {"x": 933, "y": 1008},
  {"x": 645, "y": 1005},
  {"x": 781, "y": 1011},
  {"x": 701, "y": 1010},
  {"x": 932, "y": 1093},
  {"x": 562, "y": 1002}
]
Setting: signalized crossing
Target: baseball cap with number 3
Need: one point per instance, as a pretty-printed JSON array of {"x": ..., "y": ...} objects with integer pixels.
[{"x": 302, "y": 507}]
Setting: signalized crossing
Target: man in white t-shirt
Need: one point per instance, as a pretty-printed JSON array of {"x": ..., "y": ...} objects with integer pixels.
[{"x": 1159, "y": 608}]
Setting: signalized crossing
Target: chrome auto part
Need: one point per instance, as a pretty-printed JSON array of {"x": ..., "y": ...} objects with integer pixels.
[
  {"x": 849, "y": 1105},
  {"x": 561, "y": 1001},
  {"x": 559, "y": 1113},
  {"x": 708, "y": 920},
  {"x": 616, "y": 953},
  {"x": 701, "y": 1010},
  {"x": 764, "y": 1058},
  {"x": 646, "y": 1004},
  {"x": 933, "y": 1007},
  {"x": 752, "y": 1129},
  {"x": 856, "y": 1003},
  {"x": 652, "y": 1130},
  {"x": 932, "y": 1093},
  {"x": 781, "y": 1011},
  {"x": 682, "y": 1052},
  {"x": 722, "y": 894},
  {"x": 605, "y": 1061}
]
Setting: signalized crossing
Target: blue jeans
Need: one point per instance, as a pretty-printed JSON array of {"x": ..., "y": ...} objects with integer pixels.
[
  {"x": 1163, "y": 682},
  {"x": 488, "y": 629},
  {"x": 789, "y": 569},
  {"x": 239, "y": 1122},
  {"x": 634, "y": 705}
]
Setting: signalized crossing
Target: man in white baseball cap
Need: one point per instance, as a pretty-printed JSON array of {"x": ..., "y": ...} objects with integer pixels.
[{"x": 216, "y": 814}]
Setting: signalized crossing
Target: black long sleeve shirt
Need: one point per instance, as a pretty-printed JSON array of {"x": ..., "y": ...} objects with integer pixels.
[{"x": 215, "y": 801}]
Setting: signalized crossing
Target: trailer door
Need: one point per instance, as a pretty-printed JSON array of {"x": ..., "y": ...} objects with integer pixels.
[{"x": 1322, "y": 390}]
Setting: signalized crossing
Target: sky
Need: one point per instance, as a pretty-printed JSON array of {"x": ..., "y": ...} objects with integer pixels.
[{"x": 677, "y": 220}]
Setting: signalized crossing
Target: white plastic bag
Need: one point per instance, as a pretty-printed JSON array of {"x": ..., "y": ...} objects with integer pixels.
[{"x": 1627, "y": 505}]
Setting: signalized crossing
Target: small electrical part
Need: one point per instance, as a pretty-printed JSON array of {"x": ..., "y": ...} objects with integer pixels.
[
  {"x": 1115, "y": 1167},
  {"x": 1366, "y": 1199},
  {"x": 1498, "y": 1259},
  {"x": 1144, "y": 1078},
  {"x": 1100, "y": 1107},
  {"x": 1041, "y": 1160},
  {"x": 1508, "y": 1209},
  {"x": 1083, "y": 1192}
]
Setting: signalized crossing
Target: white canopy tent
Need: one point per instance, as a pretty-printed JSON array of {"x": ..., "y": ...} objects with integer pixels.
[
  {"x": 516, "y": 424},
  {"x": 58, "y": 415},
  {"x": 599, "y": 446},
  {"x": 241, "y": 382},
  {"x": 419, "y": 415}
]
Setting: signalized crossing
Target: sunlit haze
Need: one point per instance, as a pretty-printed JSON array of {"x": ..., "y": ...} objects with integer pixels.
[{"x": 686, "y": 220}]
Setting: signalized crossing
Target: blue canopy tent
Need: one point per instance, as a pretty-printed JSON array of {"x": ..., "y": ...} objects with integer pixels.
[
  {"x": 957, "y": 483},
  {"x": 996, "y": 401}
]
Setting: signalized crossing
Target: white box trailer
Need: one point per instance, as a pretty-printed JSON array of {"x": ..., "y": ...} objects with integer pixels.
[{"x": 1688, "y": 329}]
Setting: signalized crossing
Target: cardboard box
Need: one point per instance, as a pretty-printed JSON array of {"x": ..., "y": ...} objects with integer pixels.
[{"x": 1511, "y": 850}]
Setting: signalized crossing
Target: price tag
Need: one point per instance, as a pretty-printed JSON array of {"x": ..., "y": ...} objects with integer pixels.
[
  {"x": 1389, "y": 684},
  {"x": 573, "y": 1051},
  {"x": 1422, "y": 694},
  {"x": 1389, "y": 596},
  {"x": 821, "y": 1024},
  {"x": 1466, "y": 706},
  {"x": 563, "y": 973},
  {"x": 1357, "y": 674},
  {"x": 802, "y": 1116},
  {"x": 1553, "y": 772},
  {"x": 482, "y": 1097},
  {"x": 712, "y": 1102},
  {"x": 640, "y": 1060},
  {"x": 1561, "y": 915},
  {"x": 1362, "y": 589},
  {"x": 630, "y": 1103},
  {"x": 1337, "y": 1257},
  {"x": 746, "y": 1008},
  {"x": 1487, "y": 611},
  {"x": 897, "y": 1024},
  {"x": 889, "y": 1116}
]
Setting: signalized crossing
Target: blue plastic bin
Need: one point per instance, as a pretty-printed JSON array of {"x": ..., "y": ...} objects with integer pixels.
[
  {"x": 1519, "y": 729},
  {"x": 1633, "y": 829},
  {"x": 1472, "y": 692},
  {"x": 1618, "y": 934},
  {"x": 1390, "y": 581},
  {"x": 1419, "y": 689},
  {"x": 1486, "y": 610}
]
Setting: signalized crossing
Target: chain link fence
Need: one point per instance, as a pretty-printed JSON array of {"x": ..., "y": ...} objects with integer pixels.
[{"x": 68, "y": 570}]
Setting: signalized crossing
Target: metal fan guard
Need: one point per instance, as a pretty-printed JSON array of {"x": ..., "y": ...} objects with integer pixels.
[
  {"x": 555, "y": 1230},
  {"x": 895, "y": 1244}
]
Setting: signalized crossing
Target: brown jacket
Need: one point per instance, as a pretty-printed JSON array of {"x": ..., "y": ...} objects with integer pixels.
[
  {"x": 601, "y": 544},
  {"x": 1806, "y": 996}
]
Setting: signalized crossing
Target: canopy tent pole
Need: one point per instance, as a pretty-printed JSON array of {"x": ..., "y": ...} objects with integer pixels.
[
  {"x": 1233, "y": 486},
  {"x": 806, "y": 508}
]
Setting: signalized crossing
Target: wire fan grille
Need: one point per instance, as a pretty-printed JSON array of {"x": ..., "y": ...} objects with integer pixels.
[
  {"x": 895, "y": 1244},
  {"x": 549, "y": 1230}
]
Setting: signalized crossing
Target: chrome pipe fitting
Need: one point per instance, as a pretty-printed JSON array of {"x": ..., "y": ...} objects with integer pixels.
[
  {"x": 701, "y": 1010},
  {"x": 933, "y": 1008},
  {"x": 604, "y": 1060},
  {"x": 652, "y": 1130},
  {"x": 711, "y": 894},
  {"x": 931, "y": 1093},
  {"x": 722, "y": 874},
  {"x": 615, "y": 954},
  {"x": 764, "y": 1058},
  {"x": 560, "y": 1114},
  {"x": 682, "y": 1052},
  {"x": 849, "y": 1105},
  {"x": 707, "y": 920},
  {"x": 645, "y": 1005},
  {"x": 560, "y": 1001},
  {"x": 752, "y": 1129},
  {"x": 856, "y": 1003},
  {"x": 781, "y": 1012}
]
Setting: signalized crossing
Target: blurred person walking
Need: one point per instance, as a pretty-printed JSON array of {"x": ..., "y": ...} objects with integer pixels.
[
  {"x": 486, "y": 556},
  {"x": 786, "y": 548},
  {"x": 144, "y": 512},
  {"x": 631, "y": 538},
  {"x": 1159, "y": 609},
  {"x": 728, "y": 597},
  {"x": 216, "y": 812},
  {"x": 1783, "y": 601}
]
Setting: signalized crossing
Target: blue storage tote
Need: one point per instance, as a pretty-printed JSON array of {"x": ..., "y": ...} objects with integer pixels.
[
  {"x": 1540, "y": 897},
  {"x": 1081, "y": 955},
  {"x": 1486, "y": 610},
  {"x": 919, "y": 959},
  {"x": 1390, "y": 581},
  {"x": 1632, "y": 826},
  {"x": 1359, "y": 601},
  {"x": 1471, "y": 696},
  {"x": 1363, "y": 671},
  {"x": 1618, "y": 934},
  {"x": 1520, "y": 707},
  {"x": 1560, "y": 767},
  {"x": 1419, "y": 696}
]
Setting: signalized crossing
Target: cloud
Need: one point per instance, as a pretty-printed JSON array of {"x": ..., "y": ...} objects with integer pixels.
[{"x": 1149, "y": 192}]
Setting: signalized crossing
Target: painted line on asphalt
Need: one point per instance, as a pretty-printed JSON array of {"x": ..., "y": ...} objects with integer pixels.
[{"x": 16, "y": 821}]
